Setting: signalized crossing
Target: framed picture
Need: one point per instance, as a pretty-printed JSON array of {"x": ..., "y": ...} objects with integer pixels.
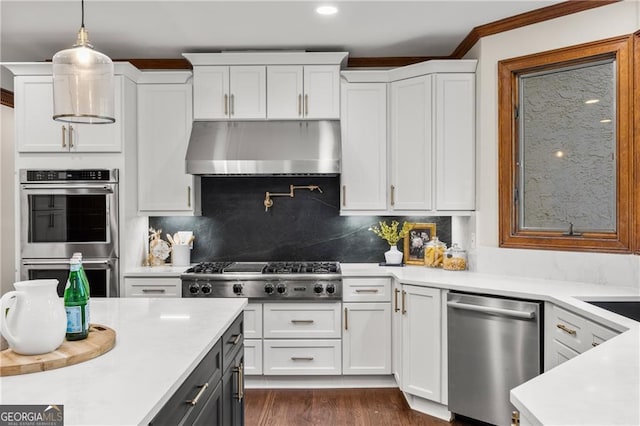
[{"x": 414, "y": 243}]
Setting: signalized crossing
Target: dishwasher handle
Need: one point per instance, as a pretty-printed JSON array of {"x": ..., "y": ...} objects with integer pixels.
[{"x": 490, "y": 310}]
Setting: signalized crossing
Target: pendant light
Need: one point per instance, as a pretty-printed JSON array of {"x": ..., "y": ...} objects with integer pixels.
[{"x": 83, "y": 83}]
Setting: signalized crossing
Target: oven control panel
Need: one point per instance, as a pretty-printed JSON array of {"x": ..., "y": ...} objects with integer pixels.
[
  {"x": 272, "y": 289},
  {"x": 99, "y": 175}
]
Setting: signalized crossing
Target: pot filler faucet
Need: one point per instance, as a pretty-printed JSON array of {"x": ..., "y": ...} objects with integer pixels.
[{"x": 268, "y": 202}]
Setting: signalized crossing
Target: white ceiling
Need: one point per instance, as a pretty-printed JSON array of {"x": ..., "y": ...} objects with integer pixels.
[{"x": 35, "y": 30}]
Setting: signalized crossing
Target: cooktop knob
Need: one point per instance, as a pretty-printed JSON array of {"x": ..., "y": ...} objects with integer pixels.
[
  {"x": 205, "y": 288},
  {"x": 237, "y": 288},
  {"x": 194, "y": 288},
  {"x": 318, "y": 288},
  {"x": 281, "y": 288},
  {"x": 268, "y": 288},
  {"x": 331, "y": 288}
]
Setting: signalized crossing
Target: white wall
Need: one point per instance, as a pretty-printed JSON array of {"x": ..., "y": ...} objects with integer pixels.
[
  {"x": 603, "y": 22},
  {"x": 7, "y": 229}
]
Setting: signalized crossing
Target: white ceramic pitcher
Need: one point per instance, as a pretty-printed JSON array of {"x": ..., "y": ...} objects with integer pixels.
[{"x": 36, "y": 321}]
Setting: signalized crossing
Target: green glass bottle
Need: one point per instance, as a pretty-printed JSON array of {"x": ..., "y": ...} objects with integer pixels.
[
  {"x": 75, "y": 303},
  {"x": 85, "y": 281}
]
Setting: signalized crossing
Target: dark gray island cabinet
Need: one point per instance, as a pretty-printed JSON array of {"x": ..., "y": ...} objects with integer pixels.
[{"x": 213, "y": 394}]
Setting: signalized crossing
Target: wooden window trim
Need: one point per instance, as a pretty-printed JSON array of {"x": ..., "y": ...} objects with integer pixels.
[
  {"x": 622, "y": 241},
  {"x": 636, "y": 137}
]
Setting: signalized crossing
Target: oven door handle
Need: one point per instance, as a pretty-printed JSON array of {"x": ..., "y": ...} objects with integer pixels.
[{"x": 56, "y": 189}]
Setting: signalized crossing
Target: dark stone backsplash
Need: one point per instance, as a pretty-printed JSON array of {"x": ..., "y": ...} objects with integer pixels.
[{"x": 235, "y": 226}]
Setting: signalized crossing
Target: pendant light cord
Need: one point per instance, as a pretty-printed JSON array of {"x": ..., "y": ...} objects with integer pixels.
[{"x": 82, "y": 8}]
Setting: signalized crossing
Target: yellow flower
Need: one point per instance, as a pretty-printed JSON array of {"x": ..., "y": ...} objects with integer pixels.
[{"x": 390, "y": 233}]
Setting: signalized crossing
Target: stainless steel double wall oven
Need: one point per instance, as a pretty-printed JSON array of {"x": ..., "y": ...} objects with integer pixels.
[{"x": 67, "y": 211}]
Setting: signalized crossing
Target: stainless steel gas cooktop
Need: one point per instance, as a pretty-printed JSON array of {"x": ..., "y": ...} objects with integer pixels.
[{"x": 318, "y": 280}]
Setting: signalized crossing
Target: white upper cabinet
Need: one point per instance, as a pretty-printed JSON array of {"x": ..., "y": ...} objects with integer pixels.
[
  {"x": 303, "y": 92},
  {"x": 455, "y": 141},
  {"x": 36, "y": 131},
  {"x": 229, "y": 92},
  {"x": 411, "y": 144},
  {"x": 364, "y": 147},
  {"x": 164, "y": 126}
]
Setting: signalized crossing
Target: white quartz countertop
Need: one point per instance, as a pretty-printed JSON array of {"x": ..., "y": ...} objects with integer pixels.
[
  {"x": 158, "y": 343},
  {"x": 599, "y": 387},
  {"x": 156, "y": 271}
]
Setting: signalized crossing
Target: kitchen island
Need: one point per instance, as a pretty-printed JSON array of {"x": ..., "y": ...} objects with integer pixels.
[{"x": 159, "y": 342}]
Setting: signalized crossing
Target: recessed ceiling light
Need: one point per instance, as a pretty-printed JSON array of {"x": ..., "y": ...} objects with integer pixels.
[
  {"x": 327, "y": 10},
  {"x": 559, "y": 154},
  {"x": 592, "y": 101}
]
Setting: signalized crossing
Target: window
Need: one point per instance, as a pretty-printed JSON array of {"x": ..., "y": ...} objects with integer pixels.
[{"x": 566, "y": 144}]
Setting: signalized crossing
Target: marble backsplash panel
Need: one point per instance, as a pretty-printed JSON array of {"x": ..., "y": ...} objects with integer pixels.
[{"x": 235, "y": 226}]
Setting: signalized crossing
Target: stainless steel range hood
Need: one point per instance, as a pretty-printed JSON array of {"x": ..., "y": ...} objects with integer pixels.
[{"x": 264, "y": 148}]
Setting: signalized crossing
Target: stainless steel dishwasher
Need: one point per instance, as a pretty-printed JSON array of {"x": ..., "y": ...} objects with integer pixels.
[{"x": 494, "y": 345}]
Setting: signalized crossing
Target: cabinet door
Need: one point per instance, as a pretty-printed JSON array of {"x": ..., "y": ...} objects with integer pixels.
[
  {"x": 233, "y": 392},
  {"x": 411, "y": 144},
  {"x": 364, "y": 146},
  {"x": 455, "y": 130},
  {"x": 248, "y": 92},
  {"x": 253, "y": 321},
  {"x": 284, "y": 88},
  {"x": 36, "y": 131},
  {"x": 396, "y": 333},
  {"x": 211, "y": 413},
  {"x": 366, "y": 338},
  {"x": 164, "y": 124},
  {"x": 421, "y": 342},
  {"x": 253, "y": 357},
  {"x": 321, "y": 92},
  {"x": 211, "y": 92}
]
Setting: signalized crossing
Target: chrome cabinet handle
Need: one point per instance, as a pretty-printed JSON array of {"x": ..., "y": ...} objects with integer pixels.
[
  {"x": 233, "y": 104},
  {"x": 366, "y": 290},
  {"x": 64, "y": 136},
  {"x": 240, "y": 381},
  {"x": 301, "y": 358},
  {"x": 306, "y": 105},
  {"x": 395, "y": 306},
  {"x": 70, "y": 136},
  {"x": 235, "y": 339},
  {"x": 346, "y": 320},
  {"x": 226, "y": 104},
  {"x": 152, "y": 290},
  {"x": 393, "y": 195},
  {"x": 299, "y": 104},
  {"x": 404, "y": 310},
  {"x": 344, "y": 195},
  {"x": 195, "y": 400},
  {"x": 566, "y": 329},
  {"x": 294, "y": 321}
]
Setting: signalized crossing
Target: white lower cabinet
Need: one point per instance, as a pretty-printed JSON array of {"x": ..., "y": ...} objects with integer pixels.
[
  {"x": 253, "y": 321},
  {"x": 567, "y": 334},
  {"x": 152, "y": 287},
  {"x": 302, "y": 339},
  {"x": 366, "y": 334},
  {"x": 252, "y": 356},
  {"x": 421, "y": 342},
  {"x": 396, "y": 334}
]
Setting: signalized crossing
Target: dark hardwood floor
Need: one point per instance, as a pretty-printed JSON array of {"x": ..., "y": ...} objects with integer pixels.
[{"x": 333, "y": 407}]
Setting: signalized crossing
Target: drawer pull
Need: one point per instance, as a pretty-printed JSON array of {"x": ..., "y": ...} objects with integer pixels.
[
  {"x": 404, "y": 310},
  {"x": 153, "y": 290},
  {"x": 235, "y": 339},
  {"x": 301, "y": 358},
  {"x": 346, "y": 319},
  {"x": 301, "y": 321},
  {"x": 366, "y": 290},
  {"x": 566, "y": 329},
  {"x": 195, "y": 400}
]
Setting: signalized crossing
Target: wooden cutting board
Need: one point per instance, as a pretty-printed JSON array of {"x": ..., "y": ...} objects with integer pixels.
[{"x": 101, "y": 339}]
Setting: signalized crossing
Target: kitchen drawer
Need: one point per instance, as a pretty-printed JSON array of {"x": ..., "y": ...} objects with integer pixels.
[
  {"x": 232, "y": 341},
  {"x": 208, "y": 372},
  {"x": 366, "y": 289},
  {"x": 253, "y": 321},
  {"x": 575, "y": 331},
  {"x": 302, "y": 357},
  {"x": 152, "y": 287},
  {"x": 556, "y": 354},
  {"x": 253, "y": 357},
  {"x": 302, "y": 320}
]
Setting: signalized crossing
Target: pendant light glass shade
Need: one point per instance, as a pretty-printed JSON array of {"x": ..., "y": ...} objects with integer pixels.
[{"x": 83, "y": 87}]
